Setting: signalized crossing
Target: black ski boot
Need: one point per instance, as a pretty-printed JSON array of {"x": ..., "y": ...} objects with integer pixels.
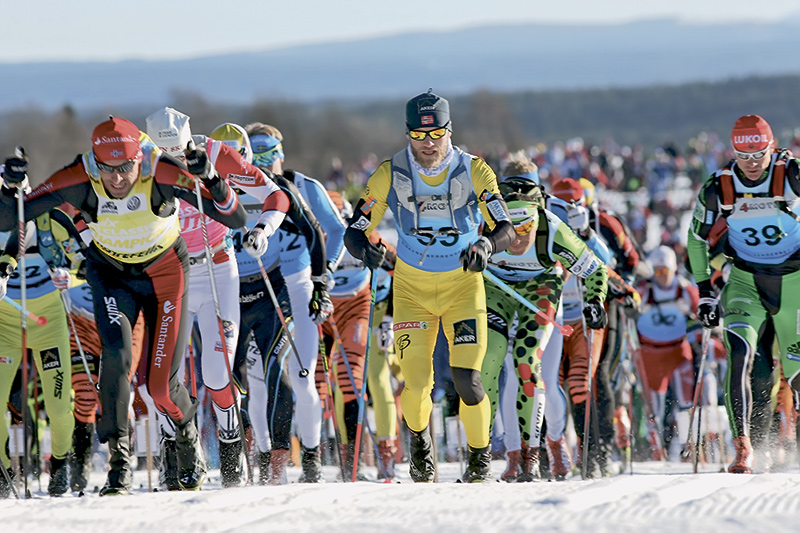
[
  {"x": 312, "y": 466},
  {"x": 168, "y": 469},
  {"x": 479, "y": 466},
  {"x": 119, "y": 473},
  {"x": 263, "y": 467},
  {"x": 59, "y": 477},
  {"x": 421, "y": 463},
  {"x": 191, "y": 466},
  {"x": 230, "y": 463},
  {"x": 348, "y": 455},
  {"x": 81, "y": 459},
  {"x": 5, "y": 488}
]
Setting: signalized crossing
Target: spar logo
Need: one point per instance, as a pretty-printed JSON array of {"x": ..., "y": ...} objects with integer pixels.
[{"x": 409, "y": 325}]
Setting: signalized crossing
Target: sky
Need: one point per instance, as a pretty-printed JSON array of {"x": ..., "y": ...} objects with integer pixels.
[{"x": 100, "y": 30}]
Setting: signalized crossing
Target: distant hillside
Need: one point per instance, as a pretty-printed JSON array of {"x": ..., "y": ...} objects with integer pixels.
[
  {"x": 497, "y": 58},
  {"x": 489, "y": 122}
]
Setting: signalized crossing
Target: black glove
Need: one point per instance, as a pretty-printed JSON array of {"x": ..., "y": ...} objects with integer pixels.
[
  {"x": 15, "y": 172},
  {"x": 198, "y": 163},
  {"x": 708, "y": 306},
  {"x": 616, "y": 290},
  {"x": 320, "y": 308},
  {"x": 595, "y": 315},
  {"x": 476, "y": 256},
  {"x": 373, "y": 255}
]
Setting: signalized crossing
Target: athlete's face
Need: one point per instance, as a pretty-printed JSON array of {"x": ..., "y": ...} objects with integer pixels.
[
  {"x": 751, "y": 167},
  {"x": 430, "y": 152},
  {"x": 663, "y": 276},
  {"x": 119, "y": 176},
  {"x": 522, "y": 243}
]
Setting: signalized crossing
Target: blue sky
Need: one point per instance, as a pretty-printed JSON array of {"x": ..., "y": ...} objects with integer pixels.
[{"x": 107, "y": 30}]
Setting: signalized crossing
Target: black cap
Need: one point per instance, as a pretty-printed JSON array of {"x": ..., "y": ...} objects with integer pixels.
[{"x": 427, "y": 111}]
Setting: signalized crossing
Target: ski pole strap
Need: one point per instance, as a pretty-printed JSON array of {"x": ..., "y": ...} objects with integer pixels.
[{"x": 565, "y": 329}]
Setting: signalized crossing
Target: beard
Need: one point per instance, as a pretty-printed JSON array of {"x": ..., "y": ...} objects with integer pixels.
[{"x": 433, "y": 160}]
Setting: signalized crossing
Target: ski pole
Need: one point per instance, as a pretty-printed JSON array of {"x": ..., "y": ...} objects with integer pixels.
[
  {"x": 638, "y": 365},
  {"x": 40, "y": 320},
  {"x": 67, "y": 302},
  {"x": 337, "y": 337},
  {"x": 20, "y": 153},
  {"x": 697, "y": 394},
  {"x": 303, "y": 371},
  {"x": 332, "y": 407},
  {"x": 565, "y": 329},
  {"x": 215, "y": 298},
  {"x": 589, "y": 334},
  {"x": 373, "y": 289}
]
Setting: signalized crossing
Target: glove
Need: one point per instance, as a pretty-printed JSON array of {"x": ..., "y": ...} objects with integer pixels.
[
  {"x": 708, "y": 306},
  {"x": 616, "y": 290},
  {"x": 198, "y": 163},
  {"x": 15, "y": 172},
  {"x": 61, "y": 278},
  {"x": 5, "y": 272},
  {"x": 708, "y": 312},
  {"x": 255, "y": 242},
  {"x": 595, "y": 315},
  {"x": 373, "y": 255},
  {"x": 476, "y": 256},
  {"x": 385, "y": 333},
  {"x": 320, "y": 308}
]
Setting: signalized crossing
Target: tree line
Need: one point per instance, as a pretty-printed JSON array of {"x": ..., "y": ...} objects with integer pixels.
[{"x": 368, "y": 130}]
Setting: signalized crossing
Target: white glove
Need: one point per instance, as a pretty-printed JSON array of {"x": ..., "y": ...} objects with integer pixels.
[
  {"x": 3, "y": 284},
  {"x": 385, "y": 333},
  {"x": 255, "y": 242},
  {"x": 61, "y": 278}
]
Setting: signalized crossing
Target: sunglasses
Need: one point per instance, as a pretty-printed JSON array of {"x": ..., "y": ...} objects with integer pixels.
[
  {"x": 746, "y": 156},
  {"x": 417, "y": 135},
  {"x": 109, "y": 169},
  {"x": 661, "y": 270},
  {"x": 524, "y": 229}
]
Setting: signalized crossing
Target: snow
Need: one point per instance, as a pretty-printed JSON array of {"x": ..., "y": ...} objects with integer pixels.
[{"x": 656, "y": 497}]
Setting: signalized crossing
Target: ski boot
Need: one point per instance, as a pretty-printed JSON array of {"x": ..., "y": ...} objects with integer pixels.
[
  {"x": 421, "y": 463},
  {"x": 530, "y": 464},
  {"x": 59, "y": 476},
  {"x": 348, "y": 455},
  {"x": 312, "y": 466},
  {"x": 119, "y": 473},
  {"x": 81, "y": 459},
  {"x": 5, "y": 488},
  {"x": 559, "y": 457},
  {"x": 263, "y": 467},
  {"x": 386, "y": 451},
  {"x": 743, "y": 462},
  {"x": 168, "y": 469},
  {"x": 191, "y": 466},
  {"x": 512, "y": 466},
  {"x": 230, "y": 463},
  {"x": 479, "y": 465},
  {"x": 277, "y": 466}
]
